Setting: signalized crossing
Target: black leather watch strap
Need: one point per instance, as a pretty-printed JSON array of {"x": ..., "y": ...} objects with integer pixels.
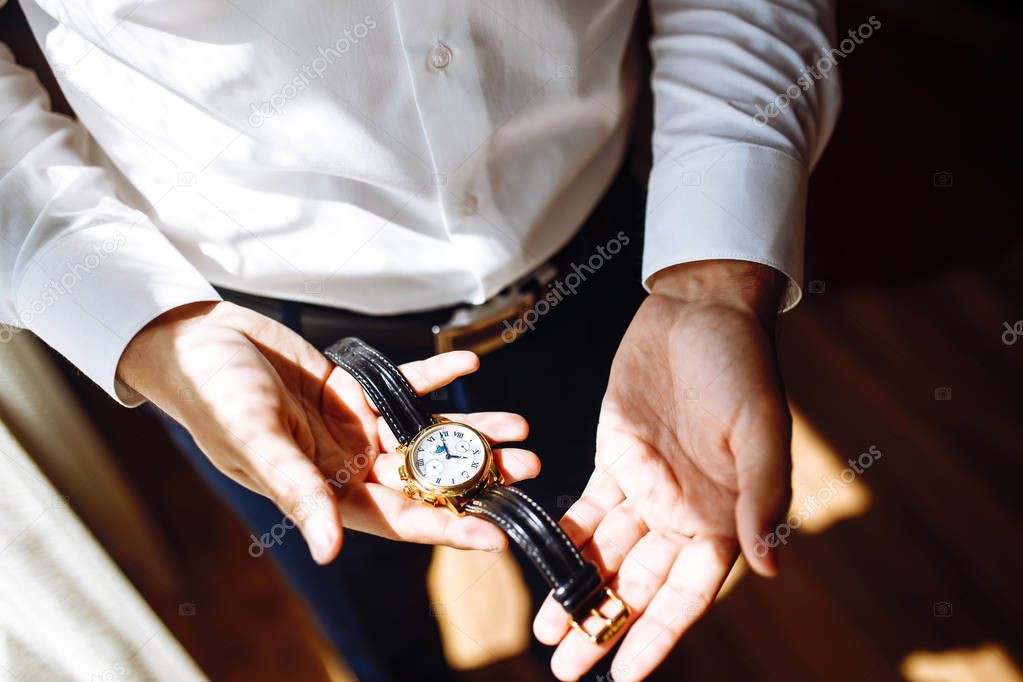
[
  {"x": 576, "y": 582},
  {"x": 386, "y": 386}
]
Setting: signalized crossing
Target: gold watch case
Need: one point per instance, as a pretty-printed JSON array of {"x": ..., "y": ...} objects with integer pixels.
[{"x": 454, "y": 497}]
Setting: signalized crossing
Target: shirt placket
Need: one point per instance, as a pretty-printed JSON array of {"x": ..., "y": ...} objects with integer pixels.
[{"x": 452, "y": 112}]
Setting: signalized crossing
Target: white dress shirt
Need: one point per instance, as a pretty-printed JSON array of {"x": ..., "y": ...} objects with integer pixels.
[{"x": 383, "y": 156}]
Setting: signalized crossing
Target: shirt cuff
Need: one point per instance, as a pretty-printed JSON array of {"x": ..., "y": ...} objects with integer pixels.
[
  {"x": 88, "y": 294},
  {"x": 736, "y": 202}
]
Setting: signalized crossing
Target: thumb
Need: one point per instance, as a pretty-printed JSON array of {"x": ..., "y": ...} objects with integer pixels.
[
  {"x": 289, "y": 478},
  {"x": 764, "y": 468}
]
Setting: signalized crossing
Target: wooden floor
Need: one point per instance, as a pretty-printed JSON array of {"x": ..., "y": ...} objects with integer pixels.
[{"x": 910, "y": 570}]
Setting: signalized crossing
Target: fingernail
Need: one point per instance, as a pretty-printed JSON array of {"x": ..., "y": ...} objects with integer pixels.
[{"x": 320, "y": 536}]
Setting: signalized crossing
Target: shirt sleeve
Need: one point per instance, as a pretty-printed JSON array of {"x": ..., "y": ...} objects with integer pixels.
[
  {"x": 78, "y": 267},
  {"x": 746, "y": 94}
]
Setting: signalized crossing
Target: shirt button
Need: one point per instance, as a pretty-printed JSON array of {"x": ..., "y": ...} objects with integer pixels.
[
  {"x": 470, "y": 204},
  {"x": 440, "y": 56}
]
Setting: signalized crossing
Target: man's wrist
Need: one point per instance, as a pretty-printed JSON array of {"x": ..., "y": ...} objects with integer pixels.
[
  {"x": 743, "y": 285},
  {"x": 143, "y": 345}
]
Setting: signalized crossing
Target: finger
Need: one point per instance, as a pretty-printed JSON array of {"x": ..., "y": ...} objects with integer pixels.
[
  {"x": 668, "y": 581},
  {"x": 643, "y": 572},
  {"x": 600, "y": 496},
  {"x": 764, "y": 468},
  {"x": 344, "y": 392},
  {"x": 498, "y": 427},
  {"x": 515, "y": 464},
  {"x": 613, "y": 539},
  {"x": 376, "y": 509},
  {"x": 299, "y": 490},
  {"x": 440, "y": 370},
  {"x": 693, "y": 583}
]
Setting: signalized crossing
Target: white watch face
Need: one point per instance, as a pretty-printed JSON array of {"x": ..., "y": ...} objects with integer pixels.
[{"x": 450, "y": 454}]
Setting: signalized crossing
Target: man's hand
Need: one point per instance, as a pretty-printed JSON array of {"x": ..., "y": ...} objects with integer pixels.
[
  {"x": 692, "y": 461},
  {"x": 275, "y": 415}
]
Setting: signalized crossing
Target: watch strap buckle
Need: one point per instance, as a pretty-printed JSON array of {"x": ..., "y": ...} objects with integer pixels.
[{"x": 611, "y": 624}]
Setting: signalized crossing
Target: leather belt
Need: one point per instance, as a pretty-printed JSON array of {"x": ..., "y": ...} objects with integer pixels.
[{"x": 479, "y": 328}]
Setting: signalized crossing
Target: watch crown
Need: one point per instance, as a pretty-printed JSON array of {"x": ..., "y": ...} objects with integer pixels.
[
  {"x": 403, "y": 473},
  {"x": 410, "y": 491}
]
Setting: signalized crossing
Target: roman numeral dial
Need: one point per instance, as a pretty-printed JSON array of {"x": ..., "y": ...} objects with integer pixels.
[{"x": 448, "y": 455}]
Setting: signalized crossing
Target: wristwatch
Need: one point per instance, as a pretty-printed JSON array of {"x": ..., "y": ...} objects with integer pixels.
[{"x": 449, "y": 464}]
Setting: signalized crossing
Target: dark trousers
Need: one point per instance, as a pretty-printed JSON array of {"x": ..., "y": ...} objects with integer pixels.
[{"x": 372, "y": 602}]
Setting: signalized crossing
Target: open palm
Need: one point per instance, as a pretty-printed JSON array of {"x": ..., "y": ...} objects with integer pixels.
[
  {"x": 271, "y": 412},
  {"x": 692, "y": 460}
]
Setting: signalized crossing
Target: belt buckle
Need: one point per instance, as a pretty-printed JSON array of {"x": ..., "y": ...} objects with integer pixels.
[
  {"x": 481, "y": 328},
  {"x": 611, "y": 625}
]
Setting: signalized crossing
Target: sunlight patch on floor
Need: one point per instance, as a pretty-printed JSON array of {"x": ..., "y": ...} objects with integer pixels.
[
  {"x": 826, "y": 486},
  {"x": 986, "y": 663},
  {"x": 481, "y": 604}
]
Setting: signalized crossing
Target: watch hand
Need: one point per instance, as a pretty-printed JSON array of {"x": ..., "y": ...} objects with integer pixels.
[{"x": 447, "y": 453}]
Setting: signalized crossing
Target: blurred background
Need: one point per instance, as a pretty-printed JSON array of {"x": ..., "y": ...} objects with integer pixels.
[{"x": 905, "y": 357}]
